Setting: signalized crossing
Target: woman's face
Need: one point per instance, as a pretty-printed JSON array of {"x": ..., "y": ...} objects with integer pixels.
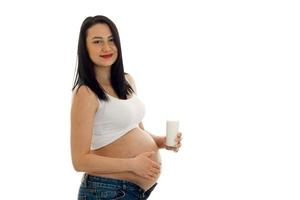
[{"x": 101, "y": 46}]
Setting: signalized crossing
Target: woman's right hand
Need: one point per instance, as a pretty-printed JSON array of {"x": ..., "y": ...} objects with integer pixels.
[{"x": 143, "y": 166}]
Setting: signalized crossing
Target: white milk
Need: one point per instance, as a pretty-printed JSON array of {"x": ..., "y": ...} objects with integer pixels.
[{"x": 171, "y": 132}]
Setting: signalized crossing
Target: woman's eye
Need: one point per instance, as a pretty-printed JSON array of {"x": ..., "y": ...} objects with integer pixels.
[
  {"x": 111, "y": 40},
  {"x": 97, "y": 42}
]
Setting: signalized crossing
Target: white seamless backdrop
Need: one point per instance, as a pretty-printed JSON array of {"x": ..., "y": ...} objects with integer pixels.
[{"x": 228, "y": 70}]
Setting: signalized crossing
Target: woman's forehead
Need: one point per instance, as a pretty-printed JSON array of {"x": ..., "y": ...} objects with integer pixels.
[{"x": 99, "y": 30}]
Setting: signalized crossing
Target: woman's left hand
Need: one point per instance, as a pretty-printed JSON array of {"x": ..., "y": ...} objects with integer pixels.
[
  {"x": 178, "y": 143},
  {"x": 162, "y": 142}
]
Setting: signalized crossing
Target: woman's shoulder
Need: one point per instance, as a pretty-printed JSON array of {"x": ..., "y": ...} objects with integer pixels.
[
  {"x": 85, "y": 94},
  {"x": 131, "y": 81},
  {"x": 82, "y": 90}
]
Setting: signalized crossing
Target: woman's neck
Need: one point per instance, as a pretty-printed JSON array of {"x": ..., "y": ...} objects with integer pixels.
[{"x": 103, "y": 75}]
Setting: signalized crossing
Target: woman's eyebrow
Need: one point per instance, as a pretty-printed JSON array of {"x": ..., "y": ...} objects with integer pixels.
[{"x": 98, "y": 37}]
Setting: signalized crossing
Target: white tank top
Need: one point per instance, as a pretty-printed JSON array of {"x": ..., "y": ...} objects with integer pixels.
[{"x": 115, "y": 118}]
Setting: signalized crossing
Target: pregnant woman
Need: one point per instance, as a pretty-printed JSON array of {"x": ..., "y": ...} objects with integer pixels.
[{"x": 120, "y": 160}]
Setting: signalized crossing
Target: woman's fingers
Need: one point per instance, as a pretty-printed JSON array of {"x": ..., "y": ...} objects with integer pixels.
[
  {"x": 178, "y": 137},
  {"x": 156, "y": 165},
  {"x": 152, "y": 174},
  {"x": 178, "y": 140},
  {"x": 177, "y": 147},
  {"x": 170, "y": 148},
  {"x": 148, "y": 176},
  {"x": 155, "y": 171}
]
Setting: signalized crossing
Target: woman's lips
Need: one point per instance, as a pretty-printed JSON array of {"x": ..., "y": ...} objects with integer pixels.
[{"x": 106, "y": 56}]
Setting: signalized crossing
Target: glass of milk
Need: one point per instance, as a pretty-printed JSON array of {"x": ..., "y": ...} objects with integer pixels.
[{"x": 172, "y": 127}]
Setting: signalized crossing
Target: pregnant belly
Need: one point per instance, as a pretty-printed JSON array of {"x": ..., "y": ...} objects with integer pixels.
[{"x": 133, "y": 143}]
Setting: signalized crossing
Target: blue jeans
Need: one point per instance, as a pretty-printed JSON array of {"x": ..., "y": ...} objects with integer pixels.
[{"x": 96, "y": 188}]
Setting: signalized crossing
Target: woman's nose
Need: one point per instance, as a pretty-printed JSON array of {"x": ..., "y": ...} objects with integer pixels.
[{"x": 105, "y": 46}]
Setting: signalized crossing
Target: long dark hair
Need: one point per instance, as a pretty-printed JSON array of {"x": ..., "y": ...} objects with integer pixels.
[{"x": 85, "y": 74}]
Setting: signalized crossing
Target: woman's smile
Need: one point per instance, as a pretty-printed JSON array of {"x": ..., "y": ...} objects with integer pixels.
[{"x": 106, "y": 56}]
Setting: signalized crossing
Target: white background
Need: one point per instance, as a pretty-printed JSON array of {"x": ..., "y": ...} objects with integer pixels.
[{"x": 229, "y": 70}]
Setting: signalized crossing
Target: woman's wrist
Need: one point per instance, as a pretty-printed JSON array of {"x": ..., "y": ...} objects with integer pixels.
[{"x": 130, "y": 164}]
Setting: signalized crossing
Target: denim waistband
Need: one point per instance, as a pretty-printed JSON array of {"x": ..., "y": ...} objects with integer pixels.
[{"x": 91, "y": 181}]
